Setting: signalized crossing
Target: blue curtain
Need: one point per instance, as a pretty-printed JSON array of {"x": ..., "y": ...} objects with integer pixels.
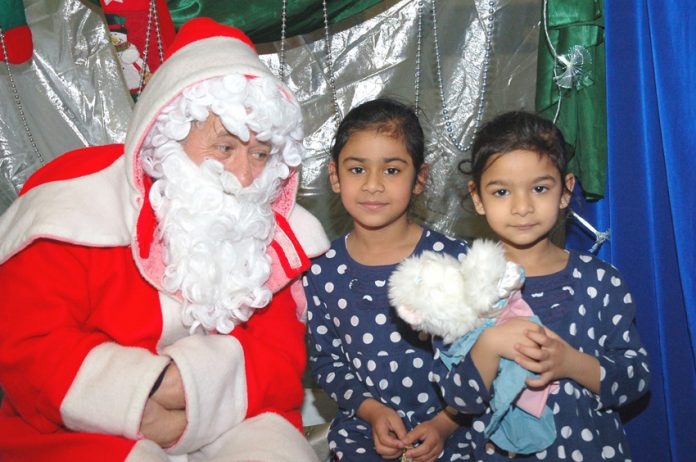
[{"x": 650, "y": 205}]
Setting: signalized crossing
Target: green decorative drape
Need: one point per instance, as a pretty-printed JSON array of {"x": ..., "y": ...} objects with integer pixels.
[
  {"x": 16, "y": 32},
  {"x": 582, "y": 116},
  {"x": 261, "y": 19}
]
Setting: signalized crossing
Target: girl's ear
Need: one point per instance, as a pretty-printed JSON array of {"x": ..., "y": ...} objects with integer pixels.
[
  {"x": 476, "y": 199},
  {"x": 568, "y": 191},
  {"x": 333, "y": 177},
  {"x": 421, "y": 179}
]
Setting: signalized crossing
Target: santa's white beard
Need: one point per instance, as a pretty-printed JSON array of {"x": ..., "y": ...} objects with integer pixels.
[{"x": 216, "y": 234}]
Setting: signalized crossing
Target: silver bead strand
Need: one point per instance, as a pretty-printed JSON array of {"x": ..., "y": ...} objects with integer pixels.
[
  {"x": 160, "y": 48},
  {"x": 151, "y": 17},
  {"x": 329, "y": 63},
  {"x": 419, "y": 46},
  {"x": 478, "y": 116},
  {"x": 283, "y": 31},
  {"x": 18, "y": 101}
]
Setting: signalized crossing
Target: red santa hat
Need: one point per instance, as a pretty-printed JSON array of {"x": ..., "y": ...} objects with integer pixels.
[
  {"x": 203, "y": 50},
  {"x": 203, "y": 28}
]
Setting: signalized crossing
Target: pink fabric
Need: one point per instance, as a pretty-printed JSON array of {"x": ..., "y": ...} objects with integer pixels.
[{"x": 530, "y": 401}]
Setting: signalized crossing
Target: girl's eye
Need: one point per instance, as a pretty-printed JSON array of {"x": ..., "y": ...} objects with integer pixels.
[
  {"x": 501, "y": 192},
  {"x": 540, "y": 189},
  {"x": 356, "y": 170},
  {"x": 391, "y": 171}
]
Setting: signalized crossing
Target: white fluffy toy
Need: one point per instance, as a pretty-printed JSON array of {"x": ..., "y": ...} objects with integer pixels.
[
  {"x": 437, "y": 294},
  {"x": 458, "y": 299}
]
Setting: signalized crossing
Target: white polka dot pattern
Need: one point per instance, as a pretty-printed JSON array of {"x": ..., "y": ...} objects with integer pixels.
[
  {"x": 589, "y": 306},
  {"x": 359, "y": 348}
]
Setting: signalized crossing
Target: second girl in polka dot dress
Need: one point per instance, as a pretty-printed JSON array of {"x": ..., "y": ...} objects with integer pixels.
[
  {"x": 369, "y": 361},
  {"x": 589, "y": 343}
]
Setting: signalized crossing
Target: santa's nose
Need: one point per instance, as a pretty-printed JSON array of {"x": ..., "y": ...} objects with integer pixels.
[{"x": 240, "y": 166}]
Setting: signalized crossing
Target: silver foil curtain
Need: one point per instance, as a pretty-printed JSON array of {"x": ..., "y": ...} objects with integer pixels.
[
  {"x": 71, "y": 92},
  {"x": 375, "y": 54}
]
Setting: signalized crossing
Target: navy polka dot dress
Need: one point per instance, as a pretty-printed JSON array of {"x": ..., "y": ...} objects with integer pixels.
[
  {"x": 360, "y": 349},
  {"x": 590, "y": 307}
]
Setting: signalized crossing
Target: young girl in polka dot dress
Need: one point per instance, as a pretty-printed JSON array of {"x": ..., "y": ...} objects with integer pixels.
[
  {"x": 589, "y": 342},
  {"x": 368, "y": 360}
]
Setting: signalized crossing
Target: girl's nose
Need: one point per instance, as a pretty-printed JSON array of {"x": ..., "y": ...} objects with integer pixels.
[
  {"x": 240, "y": 166},
  {"x": 373, "y": 182},
  {"x": 522, "y": 205}
]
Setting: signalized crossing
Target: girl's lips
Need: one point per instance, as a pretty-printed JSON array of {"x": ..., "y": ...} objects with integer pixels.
[
  {"x": 372, "y": 205},
  {"x": 523, "y": 227}
]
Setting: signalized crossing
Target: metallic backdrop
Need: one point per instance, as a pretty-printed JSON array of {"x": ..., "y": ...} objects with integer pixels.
[
  {"x": 374, "y": 54},
  {"x": 71, "y": 92}
]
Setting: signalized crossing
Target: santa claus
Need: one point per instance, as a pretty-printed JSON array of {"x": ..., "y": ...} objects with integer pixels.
[{"x": 151, "y": 306}]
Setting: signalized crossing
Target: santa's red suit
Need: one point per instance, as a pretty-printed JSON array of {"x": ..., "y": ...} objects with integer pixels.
[{"x": 86, "y": 327}]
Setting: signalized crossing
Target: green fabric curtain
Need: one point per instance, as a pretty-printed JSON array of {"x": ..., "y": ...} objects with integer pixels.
[
  {"x": 582, "y": 117},
  {"x": 261, "y": 19},
  {"x": 16, "y": 32}
]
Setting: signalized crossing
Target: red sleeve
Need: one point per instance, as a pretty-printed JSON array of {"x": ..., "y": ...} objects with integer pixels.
[
  {"x": 273, "y": 341},
  {"x": 41, "y": 341},
  {"x": 274, "y": 354}
]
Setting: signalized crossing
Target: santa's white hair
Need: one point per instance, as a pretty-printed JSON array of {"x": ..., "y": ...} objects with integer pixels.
[{"x": 215, "y": 231}]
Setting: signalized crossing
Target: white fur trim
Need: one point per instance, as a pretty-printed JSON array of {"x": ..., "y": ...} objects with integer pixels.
[
  {"x": 214, "y": 375},
  {"x": 173, "y": 327},
  {"x": 92, "y": 210},
  {"x": 309, "y": 232},
  {"x": 264, "y": 438},
  {"x": 147, "y": 451},
  {"x": 123, "y": 374}
]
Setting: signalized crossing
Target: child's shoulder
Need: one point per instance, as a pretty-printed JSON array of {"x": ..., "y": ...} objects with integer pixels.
[
  {"x": 439, "y": 242},
  {"x": 585, "y": 263}
]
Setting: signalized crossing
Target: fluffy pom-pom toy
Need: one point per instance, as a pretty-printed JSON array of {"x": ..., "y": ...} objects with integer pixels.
[
  {"x": 440, "y": 295},
  {"x": 458, "y": 299}
]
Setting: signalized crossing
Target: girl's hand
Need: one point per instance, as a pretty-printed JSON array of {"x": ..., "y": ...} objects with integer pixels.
[
  {"x": 500, "y": 341},
  {"x": 432, "y": 435},
  {"x": 555, "y": 359},
  {"x": 388, "y": 429}
]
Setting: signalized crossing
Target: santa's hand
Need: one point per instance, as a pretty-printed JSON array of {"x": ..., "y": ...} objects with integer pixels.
[
  {"x": 163, "y": 426},
  {"x": 170, "y": 392},
  {"x": 388, "y": 429}
]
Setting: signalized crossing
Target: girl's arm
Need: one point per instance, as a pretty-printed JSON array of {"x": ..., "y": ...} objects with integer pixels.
[
  {"x": 327, "y": 360},
  {"x": 617, "y": 369},
  {"x": 623, "y": 360},
  {"x": 466, "y": 386},
  {"x": 555, "y": 359}
]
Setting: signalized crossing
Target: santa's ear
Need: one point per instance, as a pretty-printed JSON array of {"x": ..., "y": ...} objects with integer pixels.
[
  {"x": 476, "y": 198},
  {"x": 408, "y": 314},
  {"x": 333, "y": 177}
]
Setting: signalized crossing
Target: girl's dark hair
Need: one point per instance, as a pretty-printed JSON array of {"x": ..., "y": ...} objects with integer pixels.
[
  {"x": 517, "y": 130},
  {"x": 386, "y": 116}
]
